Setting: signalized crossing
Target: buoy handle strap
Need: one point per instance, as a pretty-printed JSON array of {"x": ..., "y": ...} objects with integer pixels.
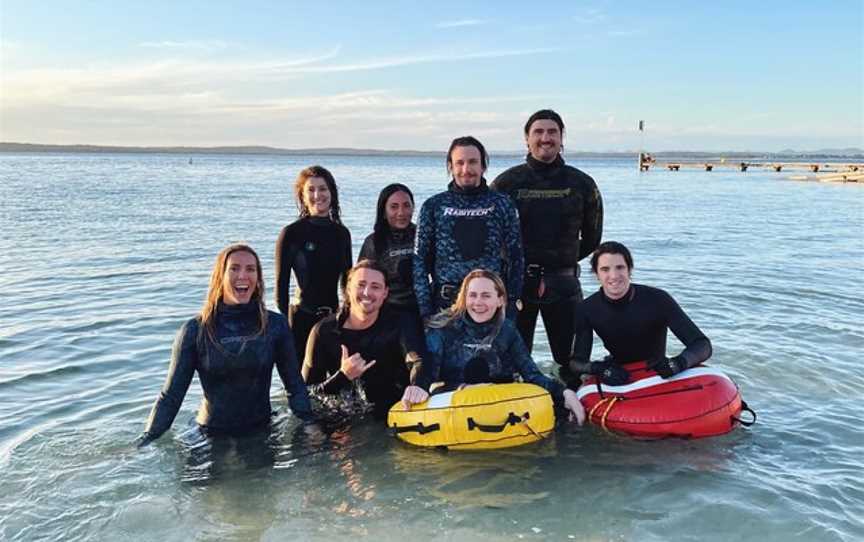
[
  {"x": 512, "y": 419},
  {"x": 745, "y": 408},
  {"x": 419, "y": 428}
]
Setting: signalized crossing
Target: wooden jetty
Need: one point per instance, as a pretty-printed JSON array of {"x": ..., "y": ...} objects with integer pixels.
[{"x": 830, "y": 172}]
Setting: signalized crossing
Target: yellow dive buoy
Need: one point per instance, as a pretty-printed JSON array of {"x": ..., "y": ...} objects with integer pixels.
[{"x": 477, "y": 417}]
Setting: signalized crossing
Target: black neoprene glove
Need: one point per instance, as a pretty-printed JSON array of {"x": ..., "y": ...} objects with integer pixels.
[
  {"x": 609, "y": 371},
  {"x": 667, "y": 367}
]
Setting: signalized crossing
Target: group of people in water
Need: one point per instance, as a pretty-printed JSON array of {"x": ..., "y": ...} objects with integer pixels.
[{"x": 447, "y": 303}]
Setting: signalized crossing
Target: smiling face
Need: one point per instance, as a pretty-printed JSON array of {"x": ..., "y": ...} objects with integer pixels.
[
  {"x": 316, "y": 196},
  {"x": 544, "y": 140},
  {"x": 240, "y": 279},
  {"x": 399, "y": 210},
  {"x": 466, "y": 166},
  {"x": 366, "y": 292},
  {"x": 482, "y": 299},
  {"x": 613, "y": 274}
]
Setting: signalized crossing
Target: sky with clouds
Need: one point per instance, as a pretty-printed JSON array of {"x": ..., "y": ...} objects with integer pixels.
[{"x": 728, "y": 75}]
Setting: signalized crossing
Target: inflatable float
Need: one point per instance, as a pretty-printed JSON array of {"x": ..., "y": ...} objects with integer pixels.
[
  {"x": 695, "y": 403},
  {"x": 477, "y": 418}
]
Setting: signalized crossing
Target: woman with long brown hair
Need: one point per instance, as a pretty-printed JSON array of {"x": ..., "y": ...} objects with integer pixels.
[
  {"x": 317, "y": 248},
  {"x": 233, "y": 344},
  {"x": 473, "y": 343}
]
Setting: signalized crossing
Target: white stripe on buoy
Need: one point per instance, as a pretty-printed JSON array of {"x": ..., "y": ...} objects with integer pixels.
[
  {"x": 651, "y": 381},
  {"x": 440, "y": 400}
]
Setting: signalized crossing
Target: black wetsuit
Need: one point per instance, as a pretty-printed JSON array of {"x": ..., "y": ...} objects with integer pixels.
[
  {"x": 235, "y": 372},
  {"x": 319, "y": 252},
  {"x": 561, "y": 217},
  {"x": 634, "y": 327},
  {"x": 397, "y": 349},
  {"x": 396, "y": 258}
]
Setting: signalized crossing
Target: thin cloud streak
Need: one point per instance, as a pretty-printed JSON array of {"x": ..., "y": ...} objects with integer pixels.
[
  {"x": 460, "y": 23},
  {"x": 209, "y": 45}
]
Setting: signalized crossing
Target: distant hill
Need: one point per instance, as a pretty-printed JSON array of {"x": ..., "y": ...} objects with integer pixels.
[{"x": 847, "y": 153}]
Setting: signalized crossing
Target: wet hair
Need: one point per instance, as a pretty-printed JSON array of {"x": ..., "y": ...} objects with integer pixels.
[
  {"x": 460, "y": 306},
  {"x": 214, "y": 292},
  {"x": 379, "y": 233},
  {"x": 611, "y": 247},
  {"x": 300, "y": 184},
  {"x": 467, "y": 141},
  {"x": 362, "y": 264},
  {"x": 545, "y": 114}
]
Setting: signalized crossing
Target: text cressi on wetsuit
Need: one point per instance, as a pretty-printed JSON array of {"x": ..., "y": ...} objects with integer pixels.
[
  {"x": 319, "y": 252},
  {"x": 460, "y": 230},
  {"x": 561, "y": 216},
  {"x": 235, "y": 372},
  {"x": 396, "y": 258}
]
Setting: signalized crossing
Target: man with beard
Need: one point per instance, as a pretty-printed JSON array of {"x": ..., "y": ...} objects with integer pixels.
[
  {"x": 561, "y": 216},
  {"x": 464, "y": 228}
]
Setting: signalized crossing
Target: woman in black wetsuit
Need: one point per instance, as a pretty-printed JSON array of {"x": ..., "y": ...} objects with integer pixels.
[
  {"x": 632, "y": 320},
  {"x": 233, "y": 345},
  {"x": 317, "y": 247},
  {"x": 391, "y": 245}
]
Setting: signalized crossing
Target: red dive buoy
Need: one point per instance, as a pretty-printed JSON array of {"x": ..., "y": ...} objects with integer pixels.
[{"x": 699, "y": 402}]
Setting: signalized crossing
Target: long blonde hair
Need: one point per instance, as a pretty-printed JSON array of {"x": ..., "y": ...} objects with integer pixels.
[
  {"x": 459, "y": 307},
  {"x": 214, "y": 292}
]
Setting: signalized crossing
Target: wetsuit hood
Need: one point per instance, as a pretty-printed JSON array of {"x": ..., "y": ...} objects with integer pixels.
[
  {"x": 544, "y": 167},
  {"x": 482, "y": 188}
]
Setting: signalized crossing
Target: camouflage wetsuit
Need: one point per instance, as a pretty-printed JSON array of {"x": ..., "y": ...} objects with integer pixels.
[
  {"x": 461, "y": 230},
  {"x": 561, "y": 214},
  {"x": 462, "y": 344}
]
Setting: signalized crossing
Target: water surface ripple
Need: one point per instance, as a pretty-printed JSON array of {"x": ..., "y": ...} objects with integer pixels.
[{"x": 108, "y": 254}]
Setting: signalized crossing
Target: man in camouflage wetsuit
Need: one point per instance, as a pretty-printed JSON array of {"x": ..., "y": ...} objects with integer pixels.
[
  {"x": 464, "y": 228},
  {"x": 561, "y": 213}
]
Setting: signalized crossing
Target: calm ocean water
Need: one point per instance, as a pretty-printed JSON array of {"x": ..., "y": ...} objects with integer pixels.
[{"x": 105, "y": 256}]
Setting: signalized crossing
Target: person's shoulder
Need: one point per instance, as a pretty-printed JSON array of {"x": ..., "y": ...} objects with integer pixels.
[
  {"x": 328, "y": 324},
  {"x": 652, "y": 292},
  {"x": 276, "y": 319},
  {"x": 436, "y": 198},
  {"x": 575, "y": 174},
  {"x": 510, "y": 176},
  {"x": 299, "y": 224},
  {"x": 192, "y": 325}
]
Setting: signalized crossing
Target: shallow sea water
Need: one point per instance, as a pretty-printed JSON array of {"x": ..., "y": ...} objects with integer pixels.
[{"x": 107, "y": 254}]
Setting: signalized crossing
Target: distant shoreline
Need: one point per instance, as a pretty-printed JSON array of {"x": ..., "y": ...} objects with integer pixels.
[{"x": 10, "y": 147}]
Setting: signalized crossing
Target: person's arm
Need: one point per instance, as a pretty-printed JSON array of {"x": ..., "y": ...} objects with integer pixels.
[
  {"x": 520, "y": 359},
  {"x": 515, "y": 255},
  {"x": 184, "y": 360},
  {"x": 592, "y": 220},
  {"x": 284, "y": 263},
  {"x": 289, "y": 371},
  {"x": 347, "y": 260},
  {"x": 318, "y": 364},
  {"x": 421, "y": 366},
  {"x": 367, "y": 251},
  {"x": 697, "y": 347},
  {"x": 424, "y": 260}
]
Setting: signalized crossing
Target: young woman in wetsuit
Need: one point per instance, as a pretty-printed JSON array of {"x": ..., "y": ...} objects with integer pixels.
[
  {"x": 473, "y": 343},
  {"x": 632, "y": 320},
  {"x": 317, "y": 247},
  {"x": 232, "y": 344},
  {"x": 391, "y": 245}
]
